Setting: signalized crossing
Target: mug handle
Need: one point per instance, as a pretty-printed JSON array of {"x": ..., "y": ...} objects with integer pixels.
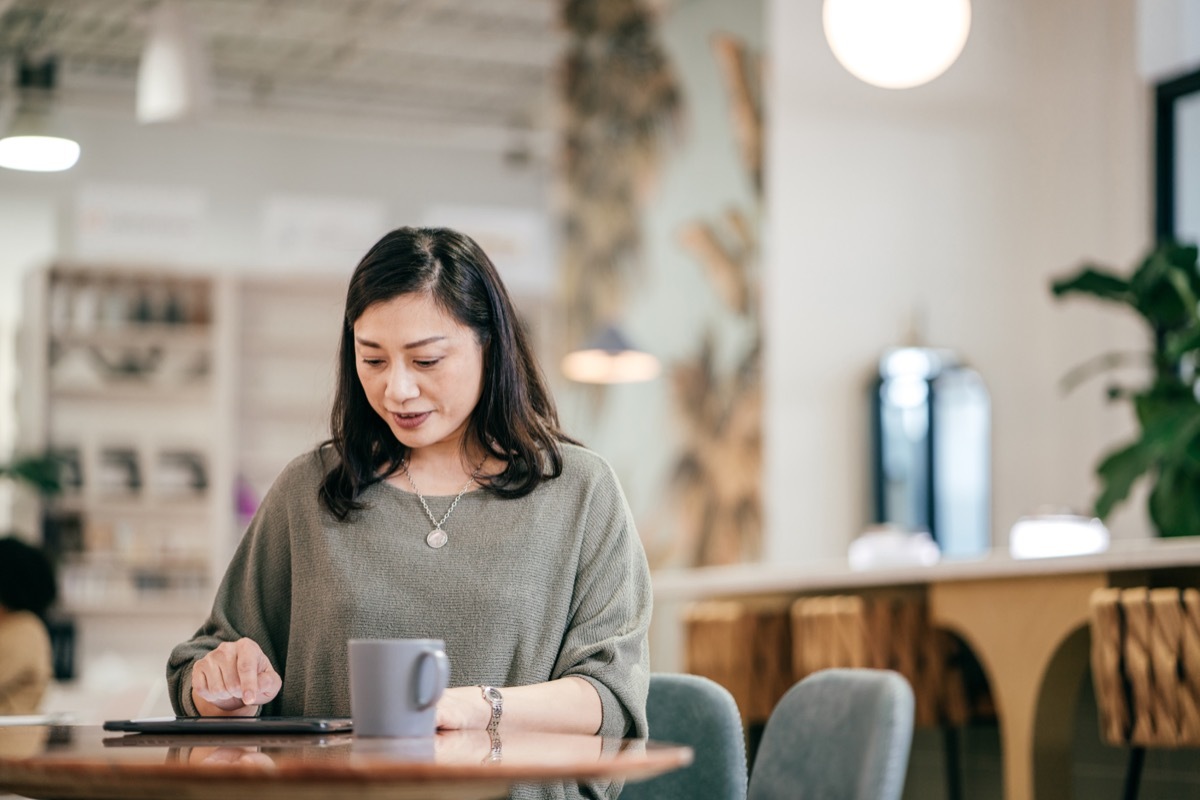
[{"x": 442, "y": 665}]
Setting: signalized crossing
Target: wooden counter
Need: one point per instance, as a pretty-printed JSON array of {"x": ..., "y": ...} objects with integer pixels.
[{"x": 1025, "y": 620}]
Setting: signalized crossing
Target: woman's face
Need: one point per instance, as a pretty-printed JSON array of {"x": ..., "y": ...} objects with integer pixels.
[{"x": 421, "y": 370}]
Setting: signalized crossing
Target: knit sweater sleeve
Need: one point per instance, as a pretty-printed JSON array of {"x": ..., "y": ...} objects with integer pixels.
[
  {"x": 254, "y": 598},
  {"x": 605, "y": 642}
]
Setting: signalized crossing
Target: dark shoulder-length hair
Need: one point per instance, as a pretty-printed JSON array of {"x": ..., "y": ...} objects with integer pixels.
[
  {"x": 27, "y": 581},
  {"x": 515, "y": 419}
]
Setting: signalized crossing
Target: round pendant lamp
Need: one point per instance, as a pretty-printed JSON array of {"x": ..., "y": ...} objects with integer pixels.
[
  {"x": 610, "y": 358},
  {"x": 896, "y": 44}
]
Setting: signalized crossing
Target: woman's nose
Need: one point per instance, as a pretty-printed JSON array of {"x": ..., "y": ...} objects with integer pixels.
[{"x": 402, "y": 385}]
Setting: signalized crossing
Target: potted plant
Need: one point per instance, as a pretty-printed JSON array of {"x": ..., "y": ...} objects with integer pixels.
[{"x": 1164, "y": 289}]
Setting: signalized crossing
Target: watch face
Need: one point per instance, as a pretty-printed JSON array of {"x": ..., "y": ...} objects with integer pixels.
[{"x": 493, "y": 694}]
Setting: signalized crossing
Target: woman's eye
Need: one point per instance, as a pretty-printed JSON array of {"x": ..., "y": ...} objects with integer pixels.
[
  {"x": 427, "y": 362},
  {"x": 372, "y": 362}
]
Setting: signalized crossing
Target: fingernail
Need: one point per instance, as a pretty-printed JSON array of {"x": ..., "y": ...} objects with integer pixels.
[{"x": 247, "y": 697}]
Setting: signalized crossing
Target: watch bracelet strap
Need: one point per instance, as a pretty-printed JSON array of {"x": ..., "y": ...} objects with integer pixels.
[
  {"x": 497, "y": 747},
  {"x": 496, "y": 704}
]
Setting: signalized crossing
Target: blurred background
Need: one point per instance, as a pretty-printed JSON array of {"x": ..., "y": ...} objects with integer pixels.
[{"x": 702, "y": 178}]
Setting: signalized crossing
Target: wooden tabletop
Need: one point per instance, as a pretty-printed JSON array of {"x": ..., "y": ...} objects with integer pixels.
[{"x": 86, "y": 763}]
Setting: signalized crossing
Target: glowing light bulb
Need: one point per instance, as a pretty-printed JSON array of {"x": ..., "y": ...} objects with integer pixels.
[{"x": 897, "y": 44}]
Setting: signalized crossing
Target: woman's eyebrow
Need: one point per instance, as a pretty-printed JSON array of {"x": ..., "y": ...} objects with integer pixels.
[
  {"x": 423, "y": 342},
  {"x": 409, "y": 346}
]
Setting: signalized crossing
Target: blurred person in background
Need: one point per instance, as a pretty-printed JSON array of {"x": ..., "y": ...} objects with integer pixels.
[{"x": 27, "y": 588}]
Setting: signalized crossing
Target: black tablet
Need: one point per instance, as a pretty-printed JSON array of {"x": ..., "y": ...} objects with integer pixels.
[{"x": 255, "y": 725}]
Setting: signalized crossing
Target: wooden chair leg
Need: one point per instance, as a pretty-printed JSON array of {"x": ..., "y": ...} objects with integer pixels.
[{"x": 1133, "y": 773}]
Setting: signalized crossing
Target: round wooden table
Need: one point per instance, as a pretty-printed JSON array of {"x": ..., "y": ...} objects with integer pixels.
[{"x": 85, "y": 763}]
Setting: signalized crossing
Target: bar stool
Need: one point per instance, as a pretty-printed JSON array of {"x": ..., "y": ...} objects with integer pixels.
[{"x": 1146, "y": 670}]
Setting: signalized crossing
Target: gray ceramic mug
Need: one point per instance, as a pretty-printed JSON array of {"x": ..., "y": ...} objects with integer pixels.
[{"x": 395, "y": 685}]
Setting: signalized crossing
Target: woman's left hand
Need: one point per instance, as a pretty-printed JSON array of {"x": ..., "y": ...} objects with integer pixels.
[{"x": 462, "y": 708}]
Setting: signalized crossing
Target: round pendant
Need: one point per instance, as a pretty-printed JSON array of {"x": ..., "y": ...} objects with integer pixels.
[{"x": 436, "y": 538}]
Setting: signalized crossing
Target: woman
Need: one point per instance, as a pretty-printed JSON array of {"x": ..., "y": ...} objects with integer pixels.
[
  {"x": 448, "y": 505},
  {"x": 27, "y": 588}
]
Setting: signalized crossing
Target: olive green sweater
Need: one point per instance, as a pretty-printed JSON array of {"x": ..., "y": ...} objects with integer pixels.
[{"x": 527, "y": 590}]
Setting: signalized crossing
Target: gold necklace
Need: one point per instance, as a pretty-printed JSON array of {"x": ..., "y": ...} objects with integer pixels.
[{"x": 437, "y": 537}]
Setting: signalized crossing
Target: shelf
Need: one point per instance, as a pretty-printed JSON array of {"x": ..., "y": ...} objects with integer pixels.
[
  {"x": 108, "y": 566},
  {"x": 141, "y": 335},
  {"x": 147, "y": 604},
  {"x": 110, "y": 563},
  {"x": 134, "y": 392},
  {"x": 242, "y": 387},
  {"x": 134, "y": 505}
]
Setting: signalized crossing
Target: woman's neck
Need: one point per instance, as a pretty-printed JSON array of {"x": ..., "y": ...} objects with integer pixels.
[{"x": 441, "y": 471}]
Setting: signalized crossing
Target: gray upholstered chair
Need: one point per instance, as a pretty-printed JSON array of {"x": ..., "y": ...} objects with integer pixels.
[
  {"x": 839, "y": 734},
  {"x": 698, "y": 712}
]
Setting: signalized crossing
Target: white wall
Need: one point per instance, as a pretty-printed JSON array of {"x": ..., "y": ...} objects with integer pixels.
[{"x": 959, "y": 199}]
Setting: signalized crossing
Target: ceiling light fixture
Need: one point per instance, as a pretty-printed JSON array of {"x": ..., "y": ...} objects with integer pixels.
[
  {"x": 610, "y": 358},
  {"x": 36, "y": 142},
  {"x": 174, "y": 76},
  {"x": 897, "y": 44}
]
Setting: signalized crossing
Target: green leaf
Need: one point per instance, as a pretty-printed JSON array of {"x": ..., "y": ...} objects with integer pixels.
[
  {"x": 1180, "y": 343},
  {"x": 1095, "y": 282},
  {"x": 1169, "y": 435},
  {"x": 41, "y": 472},
  {"x": 1163, "y": 291},
  {"x": 1175, "y": 501},
  {"x": 1159, "y": 302},
  {"x": 1102, "y": 363},
  {"x": 1184, "y": 256},
  {"x": 1168, "y": 413},
  {"x": 1118, "y": 472},
  {"x": 1184, "y": 259},
  {"x": 1191, "y": 453}
]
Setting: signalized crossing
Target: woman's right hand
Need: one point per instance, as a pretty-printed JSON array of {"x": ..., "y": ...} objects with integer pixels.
[{"x": 234, "y": 680}]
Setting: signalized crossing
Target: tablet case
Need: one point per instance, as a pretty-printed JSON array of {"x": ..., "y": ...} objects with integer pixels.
[{"x": 254, "y": 725}]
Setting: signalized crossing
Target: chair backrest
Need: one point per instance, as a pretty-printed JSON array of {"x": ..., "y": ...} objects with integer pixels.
[
  {"x": 839, "y": 733},
  {"x": 698, "y": 712}
]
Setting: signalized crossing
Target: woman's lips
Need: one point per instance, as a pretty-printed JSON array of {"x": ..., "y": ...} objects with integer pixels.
[{"x": 410, "y": 420}]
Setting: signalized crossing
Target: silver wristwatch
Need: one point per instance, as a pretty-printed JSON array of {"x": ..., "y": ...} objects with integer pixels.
[{"x": 492, "y": 695}]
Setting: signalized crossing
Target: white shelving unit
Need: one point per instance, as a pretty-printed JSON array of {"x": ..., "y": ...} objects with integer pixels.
[
  {"x": 120, "y": 376},
  {"x": 175, "y": 399}
]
